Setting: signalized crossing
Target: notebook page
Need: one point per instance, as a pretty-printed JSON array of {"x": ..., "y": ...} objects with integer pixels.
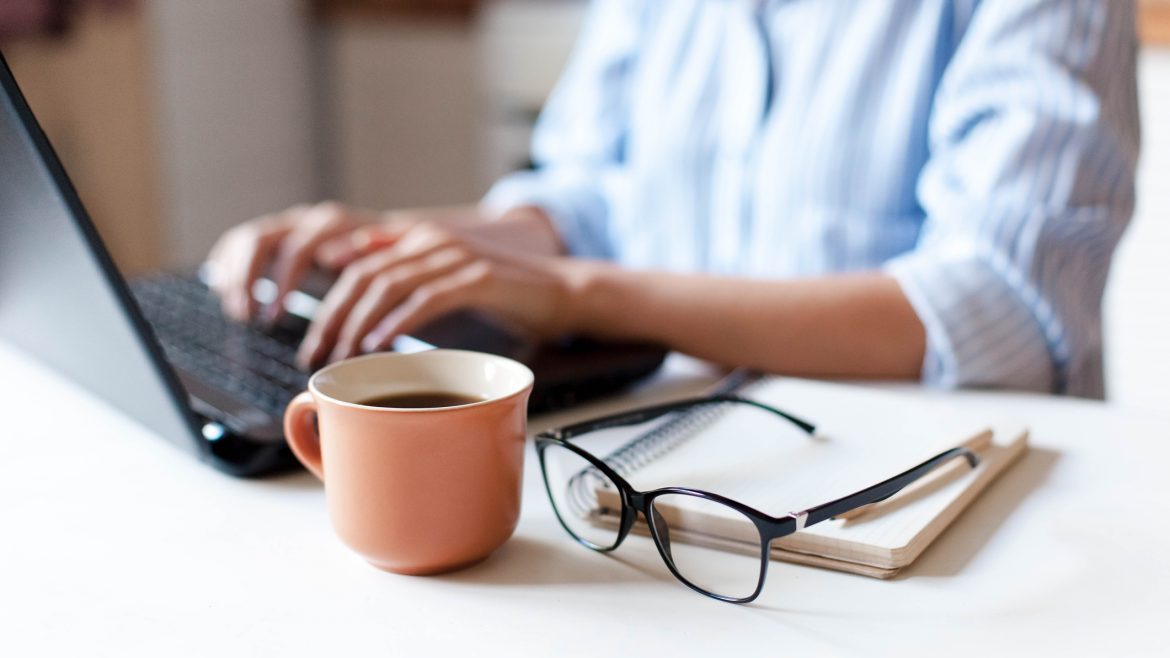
[{"x": 864, "y": 436}]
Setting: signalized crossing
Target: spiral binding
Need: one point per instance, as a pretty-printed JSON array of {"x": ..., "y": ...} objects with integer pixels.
[
  {"x": 581, "y": 492},
  {"x": 685, "y": 425},
  {"x": 652, "y": 444}
]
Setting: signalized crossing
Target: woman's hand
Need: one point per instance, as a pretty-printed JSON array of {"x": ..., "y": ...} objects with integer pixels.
[
  {"x": 287, "y": 244},
  {"x": 429, "y": 270}
]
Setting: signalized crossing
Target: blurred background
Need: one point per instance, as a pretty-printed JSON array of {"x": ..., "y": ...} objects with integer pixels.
[{"x": 178, "y": 118}]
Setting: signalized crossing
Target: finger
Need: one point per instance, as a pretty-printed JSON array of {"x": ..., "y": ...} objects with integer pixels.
[
  {"x": 252, "y": 263},
  {"x": 323, "y": 331},
  {"x": 296, "y": 251},
  {"x": 220, "y": 255},
  {"x": 340, "y": 251},
  {"x": 220, "y": 262},
  {"x": 388, "y": 290},
  {"x": 338, "y": 303},
  {"x": 227, "y": 268},
  {"x": 243, "y": 260},
  {"x": 404, "y": 238},
  {"x": 214, "y": 268},
  {"x": 460, "y": 289},
  {"x": 241, "y": 250},
  {"x": 214, "y": 256}
]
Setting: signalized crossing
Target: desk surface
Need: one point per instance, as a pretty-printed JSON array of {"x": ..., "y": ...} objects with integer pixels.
[{"x": 116, "y": 543}]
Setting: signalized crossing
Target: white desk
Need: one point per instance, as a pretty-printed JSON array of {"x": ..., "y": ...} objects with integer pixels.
[{"x": 114, "y": 543}]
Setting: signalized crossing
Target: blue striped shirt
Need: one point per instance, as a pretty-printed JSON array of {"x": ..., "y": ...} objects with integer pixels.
[{"x": 981, "y": 152}]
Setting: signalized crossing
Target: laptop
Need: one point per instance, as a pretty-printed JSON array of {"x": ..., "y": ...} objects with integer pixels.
[{"x": 159, "y": 348}]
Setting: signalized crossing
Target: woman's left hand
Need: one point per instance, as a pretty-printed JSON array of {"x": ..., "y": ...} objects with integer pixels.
[{"x": 431, "y": 270}]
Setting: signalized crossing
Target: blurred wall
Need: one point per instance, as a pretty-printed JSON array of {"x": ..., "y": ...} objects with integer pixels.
[
  {"x": 1137, "y": 300},
  {"x": 523, "y": 45},
  {"x": 182, "y": 118},
  {"x": 178, "y": 119},
  {"x": 404, "y": 110},
  {"x": 235, "y": 115},
  {"x": 431, "y": 111},
  {"x": 92, "y": 92}
]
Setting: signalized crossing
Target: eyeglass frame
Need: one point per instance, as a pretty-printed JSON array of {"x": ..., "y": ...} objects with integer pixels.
[{"x": 770, "y": 528}]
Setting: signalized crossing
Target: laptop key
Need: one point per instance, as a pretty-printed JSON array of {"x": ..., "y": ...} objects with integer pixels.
[{"x": 249, "y": 368}]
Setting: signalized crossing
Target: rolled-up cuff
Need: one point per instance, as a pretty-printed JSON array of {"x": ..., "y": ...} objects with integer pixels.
[
  {"x": 979, "y": 332},
  {"x": 577, "y": 210}
]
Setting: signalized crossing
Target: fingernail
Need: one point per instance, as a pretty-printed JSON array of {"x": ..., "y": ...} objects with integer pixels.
[
  {"x": 239, "y": 308},
  {"x": 374, "y": 340},
  {"x": 371, "y": 342},
  {"x": 340, "y": 353},
  {"x": 306, "y": 353}
]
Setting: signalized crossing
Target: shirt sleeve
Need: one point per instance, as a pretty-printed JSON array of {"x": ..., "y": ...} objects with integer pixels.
[
  {"x": 578, "y": 144},
  {"x": 1028, "y": 187}
]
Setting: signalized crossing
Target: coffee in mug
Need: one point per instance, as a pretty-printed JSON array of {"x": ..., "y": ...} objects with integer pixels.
[
  {"x": 421, "y": 454},
  {"x": 420, "y": 400}
]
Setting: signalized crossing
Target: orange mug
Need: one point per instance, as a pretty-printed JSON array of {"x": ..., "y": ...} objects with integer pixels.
[{"x": 417, "y": 490}]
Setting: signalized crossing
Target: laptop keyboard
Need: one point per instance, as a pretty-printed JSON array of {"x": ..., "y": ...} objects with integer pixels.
[{"x": 253, "y": 367}]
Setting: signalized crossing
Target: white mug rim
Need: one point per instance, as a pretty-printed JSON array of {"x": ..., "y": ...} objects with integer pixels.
[{"x": 524, "y": 371}]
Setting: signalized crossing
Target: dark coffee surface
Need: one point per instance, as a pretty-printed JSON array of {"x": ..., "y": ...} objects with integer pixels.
[{"x": 420, "y": 400}]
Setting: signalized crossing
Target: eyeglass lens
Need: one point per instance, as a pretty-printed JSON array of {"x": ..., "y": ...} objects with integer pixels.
[
  {"x": 689, "y": 530},
  {"x": 587, "y": 502}
]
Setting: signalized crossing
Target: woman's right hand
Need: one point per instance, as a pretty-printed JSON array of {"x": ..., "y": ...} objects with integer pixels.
[{"x": 285, "y": 244}]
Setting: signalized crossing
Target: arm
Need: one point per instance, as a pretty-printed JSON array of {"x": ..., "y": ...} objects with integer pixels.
[
  {"x": 1033, "y": 139},
  {"x": 845, "y": 326},
  {"x": 855, "y": 325},
  {"x": 1029, "y": 185},
  {"x": 1028, "y": 188},
  {"x": 561, "y": 207}
]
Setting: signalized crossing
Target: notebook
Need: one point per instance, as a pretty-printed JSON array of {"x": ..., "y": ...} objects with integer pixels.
[{"x": 864, "y": 435}]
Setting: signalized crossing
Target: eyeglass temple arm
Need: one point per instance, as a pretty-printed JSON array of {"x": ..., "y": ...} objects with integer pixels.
[
  {"x": 647, "y": 414},
  {"x": 883, "y": 490}
]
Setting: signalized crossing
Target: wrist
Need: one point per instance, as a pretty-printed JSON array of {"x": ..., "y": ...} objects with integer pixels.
[
  {"x": 594, "y": 300},
  {"x": 524, "y": 228}
]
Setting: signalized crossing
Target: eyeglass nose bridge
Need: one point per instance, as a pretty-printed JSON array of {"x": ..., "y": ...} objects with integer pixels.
[
  {"x": 636, "y": 499},
  {"x": 639, "y": 503},
  {"x": 633, "y": 502}
]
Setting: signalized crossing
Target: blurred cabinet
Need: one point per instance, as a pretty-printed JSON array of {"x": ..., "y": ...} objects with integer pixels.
[
  {"x": 183, "y": 118},
  {"x": 431, "y": 108},
  {"x": 177, "y": 119},
  {"x": 235, "y": 115},
  {"x": 91, "y": 91},
  {"x": 1154, "y": 21},
  {"x": 401, "y": 108},
  {"x": 524, "y": 44},
  {"x": 395, "y": 8}
]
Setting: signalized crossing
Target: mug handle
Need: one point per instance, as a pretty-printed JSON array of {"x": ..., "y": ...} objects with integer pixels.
[{"x": 301, "y": 431}]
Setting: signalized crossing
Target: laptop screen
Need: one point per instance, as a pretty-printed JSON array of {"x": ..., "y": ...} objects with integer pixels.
[{"x": 61, "y": 297}]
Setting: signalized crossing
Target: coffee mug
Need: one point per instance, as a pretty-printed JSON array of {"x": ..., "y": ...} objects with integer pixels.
[{"x": 417, "y": 490}]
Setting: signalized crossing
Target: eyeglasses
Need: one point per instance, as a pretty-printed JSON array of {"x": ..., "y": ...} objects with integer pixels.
[{"x": 598, "y": 507}]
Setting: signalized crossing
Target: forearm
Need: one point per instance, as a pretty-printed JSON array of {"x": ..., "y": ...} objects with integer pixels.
[{"x": 846, "y": 326}]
